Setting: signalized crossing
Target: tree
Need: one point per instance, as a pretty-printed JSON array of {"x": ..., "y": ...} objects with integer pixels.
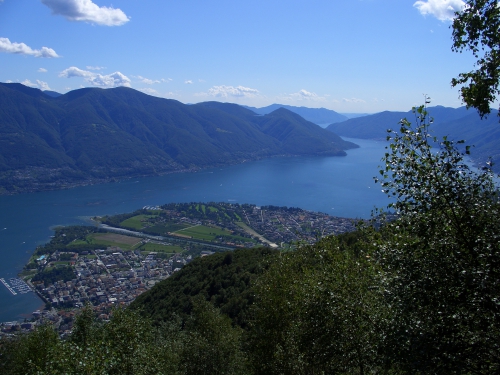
[
  {"x": 441, "y": 256},
  {"x": 476, "y": 28},
  {"x": 319, "y": 310},
  {"x": 29, "y": 353},
  {"x": 213, "y": 345}
]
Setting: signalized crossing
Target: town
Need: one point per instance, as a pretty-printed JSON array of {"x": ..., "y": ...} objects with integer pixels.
[{"x": 104, "y": 278}]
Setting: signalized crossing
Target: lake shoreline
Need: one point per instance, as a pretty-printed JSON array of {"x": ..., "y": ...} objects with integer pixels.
[{"x": 55, "y": 186}]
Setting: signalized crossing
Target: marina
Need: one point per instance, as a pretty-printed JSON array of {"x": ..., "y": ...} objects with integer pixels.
[{"x": 16, "y": 286}]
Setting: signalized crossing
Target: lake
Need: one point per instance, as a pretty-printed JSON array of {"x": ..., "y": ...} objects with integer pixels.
[{"x": 339, "y": 186}]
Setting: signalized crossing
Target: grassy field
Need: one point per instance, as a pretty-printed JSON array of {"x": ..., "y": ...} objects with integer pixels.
[
  {"x": 202, "y": 232},
  {"x": 114, "y": 239},
  {"x": 164, "y": 229},
  {"x": 161, "y": 248}
]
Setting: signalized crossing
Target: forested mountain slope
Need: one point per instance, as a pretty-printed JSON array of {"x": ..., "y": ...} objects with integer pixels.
[{"x": 92, "y": 134}]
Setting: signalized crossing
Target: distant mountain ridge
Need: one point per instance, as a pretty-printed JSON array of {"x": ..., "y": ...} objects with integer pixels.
[
  {"x": 53, "y": 94},
  {"x": 456, "y": 123},
  {"x": 91, "y": 135},
  {"x": 315, "y": 115}
]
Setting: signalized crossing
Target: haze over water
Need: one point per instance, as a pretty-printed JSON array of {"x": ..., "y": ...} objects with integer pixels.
[{"x": 339, "y": 186}]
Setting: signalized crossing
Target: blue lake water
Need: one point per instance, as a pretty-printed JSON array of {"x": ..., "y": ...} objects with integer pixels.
[{"x": 339, "y": 186}]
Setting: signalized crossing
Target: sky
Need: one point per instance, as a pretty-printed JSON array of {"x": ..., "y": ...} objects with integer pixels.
[{"x": 351, "y": 56}]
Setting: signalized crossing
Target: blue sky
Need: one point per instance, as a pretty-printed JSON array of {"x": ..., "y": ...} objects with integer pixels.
[{"x": 346, "y": 55}]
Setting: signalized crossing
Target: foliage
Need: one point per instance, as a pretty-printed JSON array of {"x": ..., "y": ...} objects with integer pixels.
[
  {"x": 29, "y": 353},
  {"x": 319, "y": 310},
  {"x": 64, "y": 273},
  {"x": 129, "y": 344},
  {"x": 441, "y": 256},
  {"x": 476, "y": 29},
  {"x": 213, "y": 345}
]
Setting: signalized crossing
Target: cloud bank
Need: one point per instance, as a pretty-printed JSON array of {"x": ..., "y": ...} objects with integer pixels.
[
  {"x": 443, "y": 10},
  {"x": 87, "y": 11},
  {"x": 22, "y": 49},
  {"x": 115, "y": 79}
]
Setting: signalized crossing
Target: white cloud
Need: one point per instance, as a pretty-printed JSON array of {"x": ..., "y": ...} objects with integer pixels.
[
  {"x": 110, "y": 80},
  {"x": 227, "y": 91},
  {"x": 27, "y": 82},
  {"x": 39, "y": 84},
  {"x": 22, "y": 49},
  {"x": 443, "y": 10},
  {"x": 149, "y": 91},
  {"x": 188, "y": 82},
  {"x": 76, "y": 72},
  {"x": 87, "y": 11},
  {"x": 42, "y": 85},
  {"x": 148, "y": 81},
  {"x": 302, "y": 95},
  {"x": 95, "y": 67},
  {"x": 98, "y": 80},
  {"x": 42, "y": 70},
  {"x": 353, "y": 100}
]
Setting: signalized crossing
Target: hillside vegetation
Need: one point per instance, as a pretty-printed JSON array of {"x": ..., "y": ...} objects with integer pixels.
[{"x": 225, "y": 279}]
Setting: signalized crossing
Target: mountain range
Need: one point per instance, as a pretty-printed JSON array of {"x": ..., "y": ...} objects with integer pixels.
[
  {"x": 455, "y": 123},
  {"x": 90, "y": 135}
]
